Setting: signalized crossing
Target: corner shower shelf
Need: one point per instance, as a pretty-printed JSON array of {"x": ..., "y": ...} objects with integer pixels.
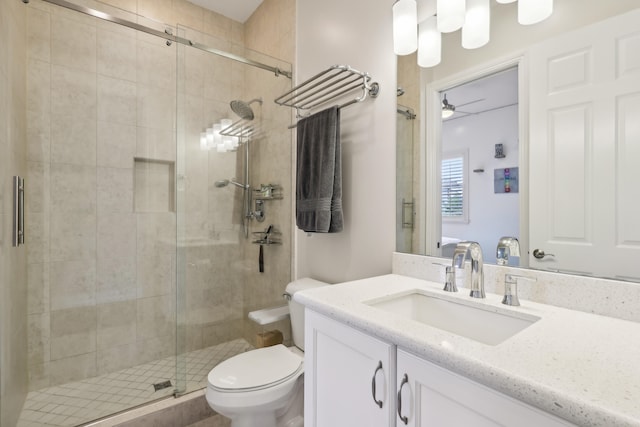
[
  {"x": 268, "y": 192},
  {"x": 266, "y": 242},
  {"x": 330, "y": 84},
  {"x": 264, "y": 238}
]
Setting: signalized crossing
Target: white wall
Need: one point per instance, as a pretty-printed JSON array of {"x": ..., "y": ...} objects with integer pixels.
[
  {"x": 356, "y": 33},
  {"x": 491, "y": 215}
]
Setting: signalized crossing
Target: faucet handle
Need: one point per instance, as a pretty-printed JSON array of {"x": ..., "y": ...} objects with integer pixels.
[
  {"x": 450, "y": 278},
  {"x": 450, "y": 281},
  {"x": 511, "y": 288}
]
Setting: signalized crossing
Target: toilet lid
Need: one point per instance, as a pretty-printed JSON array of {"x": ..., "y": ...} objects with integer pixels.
[{"x": 255, "y": 368}]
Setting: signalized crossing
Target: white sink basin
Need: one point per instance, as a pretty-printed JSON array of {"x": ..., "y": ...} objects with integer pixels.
[{"x": 458, "y": 317}]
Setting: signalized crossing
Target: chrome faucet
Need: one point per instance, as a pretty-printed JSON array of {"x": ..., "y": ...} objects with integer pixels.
[
  {"x": 507, "y": 246},
  {"x": 477, "y": 275}
]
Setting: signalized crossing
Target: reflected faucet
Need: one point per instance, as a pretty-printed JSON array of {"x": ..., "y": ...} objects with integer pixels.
[
  {"x": 507, "y": 246},
  {"x": 477, "y": 275}
]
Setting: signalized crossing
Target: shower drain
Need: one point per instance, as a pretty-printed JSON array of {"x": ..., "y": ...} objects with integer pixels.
[{"x": 162, "y": 385}]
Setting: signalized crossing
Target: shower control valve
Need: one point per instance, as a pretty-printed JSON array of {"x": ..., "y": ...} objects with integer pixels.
[{"x": 259, "y": 214}]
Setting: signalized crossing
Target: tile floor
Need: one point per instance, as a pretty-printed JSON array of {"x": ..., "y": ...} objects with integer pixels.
[{"x": 76, "y": 403}]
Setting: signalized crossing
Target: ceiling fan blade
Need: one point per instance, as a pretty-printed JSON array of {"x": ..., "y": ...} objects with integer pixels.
[{"x": 471, "y": 102}]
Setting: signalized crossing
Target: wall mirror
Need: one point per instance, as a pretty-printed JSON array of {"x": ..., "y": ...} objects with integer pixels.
[{"x": 572, "y": 144}]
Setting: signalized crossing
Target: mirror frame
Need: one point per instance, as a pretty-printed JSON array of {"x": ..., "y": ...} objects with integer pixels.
[{"x": 431, "y": 147}]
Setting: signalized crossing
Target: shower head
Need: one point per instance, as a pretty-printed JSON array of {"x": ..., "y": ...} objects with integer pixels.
[
  {"x": 224, "y": 182},
  {"x": 243, "y": 109}
]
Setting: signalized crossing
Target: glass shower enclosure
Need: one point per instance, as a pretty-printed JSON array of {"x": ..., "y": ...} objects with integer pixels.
[
  {"x": 230, "y": 137},
  {"x": 140, "y": 272}
]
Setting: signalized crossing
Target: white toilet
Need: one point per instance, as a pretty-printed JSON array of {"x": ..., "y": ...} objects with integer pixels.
[{"x": 264, "y": 387}]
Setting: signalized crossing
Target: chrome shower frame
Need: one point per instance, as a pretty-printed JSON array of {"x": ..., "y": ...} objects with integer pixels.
[{"x": 167, "y": 34}]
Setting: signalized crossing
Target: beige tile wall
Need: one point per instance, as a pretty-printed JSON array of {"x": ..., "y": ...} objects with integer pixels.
[
  {"x": 271, "y": 29},
  {"x": 13, "y": 269},
  {"x": 102, "y": 287},
  {"x": 271, "y": 157},
  {"x": 101, "y": 282}
]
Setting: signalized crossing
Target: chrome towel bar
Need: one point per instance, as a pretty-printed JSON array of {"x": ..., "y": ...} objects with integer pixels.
[{"x": 328, "y": 85}]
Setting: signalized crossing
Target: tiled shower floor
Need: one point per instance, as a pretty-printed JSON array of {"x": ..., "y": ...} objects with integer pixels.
[{"x": 79, "y": 402}]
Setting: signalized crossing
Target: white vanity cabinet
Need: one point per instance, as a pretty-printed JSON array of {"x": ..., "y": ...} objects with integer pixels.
[
  {"x": 435, "y": 397},
  {"x": 343, "y": 369}
]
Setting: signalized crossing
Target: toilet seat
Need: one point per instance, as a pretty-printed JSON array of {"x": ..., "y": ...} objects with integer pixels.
[{"x": 256, "y": 370}]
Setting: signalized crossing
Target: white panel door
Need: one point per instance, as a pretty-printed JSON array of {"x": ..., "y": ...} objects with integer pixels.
[
  {"x": 585, "y": 149},
  {"x": 435, "y": 397},
  {"x": 343, "y": 369}
]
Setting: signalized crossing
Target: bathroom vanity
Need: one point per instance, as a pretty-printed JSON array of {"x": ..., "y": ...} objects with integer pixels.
[{"x": 373, "y": 357}]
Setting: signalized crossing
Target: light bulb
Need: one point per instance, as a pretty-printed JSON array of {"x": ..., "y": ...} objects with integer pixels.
[
  {"x": 450, "y": 15},
  {"x": 476, "y": 29},
  {"x": 203, "y": 141},
  {"x": 533, "y": 11},
  {"x": 405, "y": 21},
  {"x": 225, "y": 123},
  {"x": 429, "y": 43},
  {"x": 210, "y": 138},
  {"x": 217, "y": 138}
]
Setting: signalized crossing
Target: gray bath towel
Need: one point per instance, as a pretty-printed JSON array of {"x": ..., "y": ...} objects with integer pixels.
[{"x": 319, "y": 173}]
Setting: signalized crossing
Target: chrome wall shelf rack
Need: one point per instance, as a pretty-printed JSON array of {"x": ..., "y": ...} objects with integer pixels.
[{"x": 333, "y": 83}]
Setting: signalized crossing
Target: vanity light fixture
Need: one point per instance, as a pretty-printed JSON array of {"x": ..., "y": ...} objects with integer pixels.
[
  {"x": 473, "y": 16},
  {"x": 405, "y": 21},
  {"x": 213, "y": 139}
]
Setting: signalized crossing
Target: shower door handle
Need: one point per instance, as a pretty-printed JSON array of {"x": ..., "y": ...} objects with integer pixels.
[{"x": 18, "y": 211}]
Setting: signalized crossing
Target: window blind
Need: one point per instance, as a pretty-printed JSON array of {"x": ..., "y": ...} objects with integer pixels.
[{"x": 453, "y": 187}]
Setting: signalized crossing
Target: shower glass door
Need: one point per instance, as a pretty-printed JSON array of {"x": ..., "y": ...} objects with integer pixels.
[
  {"x": 137, "y": 254},
  {"x": 101, "y": 215},
  {"x": 218, "y": 279}
]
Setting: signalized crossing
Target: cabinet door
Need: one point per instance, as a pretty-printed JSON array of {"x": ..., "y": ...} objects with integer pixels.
[
  {"x": 435, "y": 397},
  {"x": 342, "y": 367}
]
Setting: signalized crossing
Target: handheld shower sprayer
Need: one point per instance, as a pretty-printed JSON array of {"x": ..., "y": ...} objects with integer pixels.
[{"x": 224, "y": 182}]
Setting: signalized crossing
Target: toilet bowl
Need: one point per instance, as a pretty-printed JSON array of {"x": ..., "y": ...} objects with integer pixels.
[{"x": 264, "y": 387}]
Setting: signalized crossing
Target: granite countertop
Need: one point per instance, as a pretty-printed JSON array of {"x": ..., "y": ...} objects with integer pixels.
[{"x": 581, "y": 367}]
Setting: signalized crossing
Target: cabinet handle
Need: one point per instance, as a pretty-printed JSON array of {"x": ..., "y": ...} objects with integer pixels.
[
  {"x": 373, "y": 384},
  {"x": 405, "y": 380}
]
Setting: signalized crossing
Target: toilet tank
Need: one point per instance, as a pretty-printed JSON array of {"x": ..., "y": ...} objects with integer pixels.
[{"x": 296, "y": 310}]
